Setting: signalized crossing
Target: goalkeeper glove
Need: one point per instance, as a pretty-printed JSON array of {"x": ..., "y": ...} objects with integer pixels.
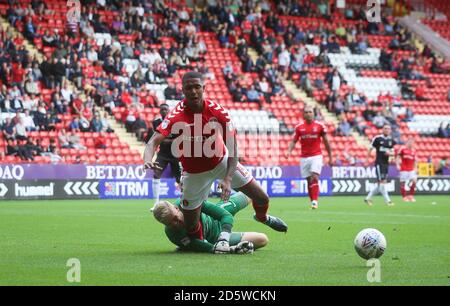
[{"x": 221, "y": 247}]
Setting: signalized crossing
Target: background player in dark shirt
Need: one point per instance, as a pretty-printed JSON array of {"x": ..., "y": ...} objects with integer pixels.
[
  {"x": 164, "y": 157},
  {"x": 384, "y": 146}
]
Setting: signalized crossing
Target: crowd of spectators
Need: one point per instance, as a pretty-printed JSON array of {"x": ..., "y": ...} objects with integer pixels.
[
  {"x": 287, "y": 44},
  {"x": 74, "y": 53},
  {"x": 282, "y": 53},
  {"x": 100, "y": 77}
]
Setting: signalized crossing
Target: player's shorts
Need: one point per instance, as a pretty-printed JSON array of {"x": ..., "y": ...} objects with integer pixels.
[
  {"x": 196, "y": 186},
  {"x": 310, "y": 165},
  {"x": 407, "y": 176},
  {"x": 382, "y": 171},
  {"x": 163, "y": 160}
]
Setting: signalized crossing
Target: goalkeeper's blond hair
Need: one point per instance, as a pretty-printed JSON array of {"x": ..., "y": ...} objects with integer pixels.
[{"x": 162, "y": 211}]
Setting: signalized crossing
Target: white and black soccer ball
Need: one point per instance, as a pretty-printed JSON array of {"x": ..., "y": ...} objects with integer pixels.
[{"x": 370, "y": 243}]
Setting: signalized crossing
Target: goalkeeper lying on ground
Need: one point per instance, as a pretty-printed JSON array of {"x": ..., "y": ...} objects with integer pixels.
[{"x": 217, "y": 222}]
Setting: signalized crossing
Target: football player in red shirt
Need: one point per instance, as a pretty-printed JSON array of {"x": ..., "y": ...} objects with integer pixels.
[
  {"x": 310, "y": 133},
  {"x": 206, "y": 146},
  {"x": 406, "y": 163}
]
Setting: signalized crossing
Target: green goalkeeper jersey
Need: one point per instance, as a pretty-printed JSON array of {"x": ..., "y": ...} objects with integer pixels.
[{"x": 213, "y": 216}]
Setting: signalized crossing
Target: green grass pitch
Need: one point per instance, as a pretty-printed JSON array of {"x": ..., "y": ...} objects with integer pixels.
[{"x": 119, "y": 243}]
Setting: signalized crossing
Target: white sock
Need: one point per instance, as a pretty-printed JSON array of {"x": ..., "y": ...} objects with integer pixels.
[
  {"x": 155, "y": 188},
  {"x": 372, "y": 193},
  {"x": 384, "y": 193}
]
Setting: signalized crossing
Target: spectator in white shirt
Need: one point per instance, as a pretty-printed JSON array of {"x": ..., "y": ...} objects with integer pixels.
[
  {"x": 190, "y": 28},
  {"x": 154, "y": 56},
  {"x": 201, "y": 46},
  {"x": 183, "y": 15},
  {"x": 21, "y": 131},
  {"x": 264, "y": 85},
  {"x": 336, "y": 82},
  {"x": 92, "y": 55},
  {"x": 64, "y": 139},
  {"x": 55, "y": 158},
  {"x": 31, "y": 86},
  {"x": 379, "y": 120},
  {"x": 29, "y": 103},
  {"x": 265, "y": 6},
  {"x": 284, "y": 60},
  {"x": 264, "y": 88},
  {"x": 42, "y": 109},
  {"x": 131, "y": 118},
  {"x": 146, "y": 58},
  {"x": 66, "y": 92},
  {"x": 228, "y": 69},
  {"x": 101, "y": 3},
  {"x": 15, "y": 92},
  {"x": 139, "y": 10},
  {"x": 105, "y": 124},
  {"x": 35, "y": 100},
  {"x": 88, "y": 30},
  {"x": 75, "y": 142},
  {"x": 15, "y": 104}
]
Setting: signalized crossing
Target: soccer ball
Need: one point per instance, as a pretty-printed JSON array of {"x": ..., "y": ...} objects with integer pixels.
[{"x": 370, "y": 243}]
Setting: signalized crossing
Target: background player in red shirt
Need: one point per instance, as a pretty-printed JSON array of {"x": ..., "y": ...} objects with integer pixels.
[
  {"x": 406, "y": 163},
  {"x": 310, "y": 132},
  {"x": 206, "y": 156}
]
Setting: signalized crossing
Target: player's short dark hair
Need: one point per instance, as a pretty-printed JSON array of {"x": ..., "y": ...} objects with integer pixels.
[
  {"x": 192, "y": 75},
  {"x": 387, "y": 124},
  {"x": 163, "y": 104}
]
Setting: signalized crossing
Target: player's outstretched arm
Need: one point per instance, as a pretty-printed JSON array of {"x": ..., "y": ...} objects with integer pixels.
[
  {"x": 369, "y": 154},
  {"x": 201, "y": 246},
  {"x": 185, "y": 243},
  {"x": 150, "y": 150}
]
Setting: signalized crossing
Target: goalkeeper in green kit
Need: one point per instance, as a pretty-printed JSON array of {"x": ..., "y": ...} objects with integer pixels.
[{"x": 217, "y": 222}]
